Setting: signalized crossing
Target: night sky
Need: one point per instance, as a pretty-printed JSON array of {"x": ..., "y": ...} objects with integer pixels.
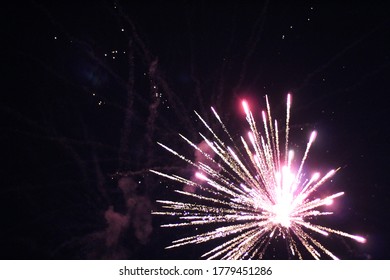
[{"x": 88, "y": 88}]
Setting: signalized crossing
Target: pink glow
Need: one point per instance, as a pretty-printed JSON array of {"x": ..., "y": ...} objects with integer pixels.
[
  {"x": 315, "y": 176},
  {"x": 264, "y": 116},
  {"x": 360, "y": 239},
  {"x": 313, "y": 136},
  {"x": 245, "y": 106},
  {"x": 328, "y": 202},
  {"x": 201, "y": 176}
]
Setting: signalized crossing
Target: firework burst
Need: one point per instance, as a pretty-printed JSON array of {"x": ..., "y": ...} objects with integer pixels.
[{"x": 252, "y": 193}]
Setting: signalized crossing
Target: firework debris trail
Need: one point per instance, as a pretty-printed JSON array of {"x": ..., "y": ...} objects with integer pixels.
[{"x": 252, "y": 194}]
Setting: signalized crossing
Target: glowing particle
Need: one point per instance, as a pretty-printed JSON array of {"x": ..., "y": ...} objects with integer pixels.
[{"x": 246, "y": 107}]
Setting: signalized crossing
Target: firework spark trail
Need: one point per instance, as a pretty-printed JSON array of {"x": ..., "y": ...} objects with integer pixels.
[{"x": 252, "y": 194}]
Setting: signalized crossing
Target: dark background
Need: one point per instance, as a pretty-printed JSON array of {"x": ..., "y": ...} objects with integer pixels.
[{"x": 89, "y": 87}]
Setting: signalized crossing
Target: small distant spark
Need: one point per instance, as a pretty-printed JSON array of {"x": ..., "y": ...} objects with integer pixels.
[{"x": 252, "y": 193}]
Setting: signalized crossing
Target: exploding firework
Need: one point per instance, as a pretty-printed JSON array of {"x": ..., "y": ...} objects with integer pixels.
[{"x": 251, "y": 193}]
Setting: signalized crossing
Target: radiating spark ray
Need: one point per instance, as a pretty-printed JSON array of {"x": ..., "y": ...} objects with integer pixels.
[
  {"x": 252, "y": 194},
  {"x": 287, "y": 123},
  {"x": 311, "y": 140}
]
